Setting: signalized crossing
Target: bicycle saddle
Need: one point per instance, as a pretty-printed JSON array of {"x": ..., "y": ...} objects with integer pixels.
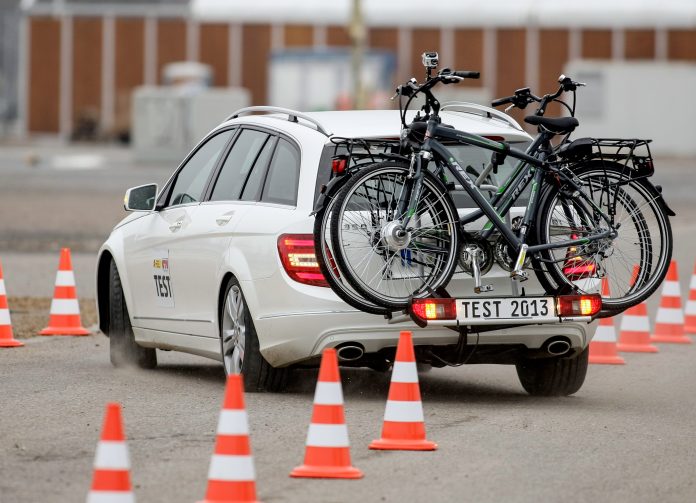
[{"x": 558, "y": 125}]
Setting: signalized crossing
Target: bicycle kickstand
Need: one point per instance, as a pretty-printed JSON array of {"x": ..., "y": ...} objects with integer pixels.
[{"x": 476, "y": 271}]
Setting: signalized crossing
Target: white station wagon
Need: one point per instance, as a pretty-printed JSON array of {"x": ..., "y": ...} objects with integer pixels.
[{"x": 219, "y": 262}]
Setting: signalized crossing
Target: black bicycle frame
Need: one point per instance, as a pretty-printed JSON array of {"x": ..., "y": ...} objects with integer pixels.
[{"x": 520, "y": 179}]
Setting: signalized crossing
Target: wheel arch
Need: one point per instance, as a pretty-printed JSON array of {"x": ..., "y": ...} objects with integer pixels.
[{"x": 103, "y": 283}]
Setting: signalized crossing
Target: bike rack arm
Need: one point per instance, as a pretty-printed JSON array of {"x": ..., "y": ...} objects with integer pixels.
[
  {"x": 293, "y": 116},
  {"x": 475, "y": 108}
]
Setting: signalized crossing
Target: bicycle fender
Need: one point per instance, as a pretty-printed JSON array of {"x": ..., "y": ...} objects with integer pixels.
[
  {"x": 328, "y": 191},
  {"x": 661, "y": 198}
]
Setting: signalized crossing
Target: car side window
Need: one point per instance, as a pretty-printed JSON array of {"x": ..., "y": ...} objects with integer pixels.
[
  {"x": 283, "y": 175},
  {"x": 192, "y": 177},
  {"x": 247, "y": 158}
]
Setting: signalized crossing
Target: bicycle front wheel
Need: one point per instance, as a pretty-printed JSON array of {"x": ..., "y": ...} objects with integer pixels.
[
  {"x": 385, "y": 256},
  {"x": 634, "y": 262}
]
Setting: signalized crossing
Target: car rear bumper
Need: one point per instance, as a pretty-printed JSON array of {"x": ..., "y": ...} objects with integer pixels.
[{"x": 296, "y": 322}]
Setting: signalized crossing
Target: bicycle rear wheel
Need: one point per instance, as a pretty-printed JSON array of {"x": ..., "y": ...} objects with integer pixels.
[
  {"x": 384, "y": 262},
  {"x": 329, "y": 267},
  {"x": 634, "y": 263}
]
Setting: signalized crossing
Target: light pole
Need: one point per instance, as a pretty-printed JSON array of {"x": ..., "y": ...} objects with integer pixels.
[{"x": 358, "y": 35}]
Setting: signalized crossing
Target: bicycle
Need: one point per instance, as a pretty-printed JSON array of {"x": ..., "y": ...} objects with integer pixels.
[{"x": 396, "y": 234}]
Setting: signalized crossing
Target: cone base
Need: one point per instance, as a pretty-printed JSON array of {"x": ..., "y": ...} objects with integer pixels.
[
  {"x": 65, "y": 331},
  {"x": 12, "y": 343},
  {"x": 402, "y": 445},
  {"x": 637, "y": 348},
  {"x": 671, "y": 339},
  {"x": 607, "y": 360},
  {"x": 326, "y": 472}
]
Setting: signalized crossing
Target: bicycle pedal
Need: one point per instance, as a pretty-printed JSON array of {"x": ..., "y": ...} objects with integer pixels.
[{"x": 483, "y": 288}]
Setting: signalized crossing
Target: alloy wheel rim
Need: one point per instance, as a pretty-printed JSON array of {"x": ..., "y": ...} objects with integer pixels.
[{"x": 233, "y": 331}]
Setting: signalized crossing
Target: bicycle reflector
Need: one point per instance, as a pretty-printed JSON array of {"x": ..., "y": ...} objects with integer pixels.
[
  {"x": 578, "y": 305},
  {"x": 434, "y": 309},
  {"x": 300, "y": 260}
]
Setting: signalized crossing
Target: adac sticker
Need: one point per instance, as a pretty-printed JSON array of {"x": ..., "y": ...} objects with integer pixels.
[{"x": 162, "y": 279}]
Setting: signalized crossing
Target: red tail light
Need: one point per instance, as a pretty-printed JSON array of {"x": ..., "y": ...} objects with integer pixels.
[
  {"x": 434, "y": 309},
  {"x": 338, "y": 165},
  {"x": 300, "y": 260},
  {"x": 576, "y": 266},
  {"x": 579, "y": 305}
]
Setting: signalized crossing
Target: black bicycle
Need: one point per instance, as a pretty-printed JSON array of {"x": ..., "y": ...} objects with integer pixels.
[{"x": 395, "y": 233}]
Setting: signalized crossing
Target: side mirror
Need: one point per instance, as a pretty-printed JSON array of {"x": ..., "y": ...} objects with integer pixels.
[{"x": 141, "y": 198}]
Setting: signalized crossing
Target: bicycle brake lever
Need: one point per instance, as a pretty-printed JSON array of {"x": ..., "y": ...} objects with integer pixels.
[{"x": 509, "y": 108}]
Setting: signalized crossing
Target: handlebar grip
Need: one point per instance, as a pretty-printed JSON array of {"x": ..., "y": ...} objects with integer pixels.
[
  {"x": 467, "y": 75},
  {"x": 502, "y": 101}
]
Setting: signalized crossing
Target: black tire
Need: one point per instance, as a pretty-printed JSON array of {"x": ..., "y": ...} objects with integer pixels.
[
  {"x": 329, "y": 267},
  {"x": 258, "y": 374},
  {"x": 436, "y": 247},
  {"x": 123, "y": 350},
  {"x": 635, "y": 262},
  {"x": 554, "y": 376}
]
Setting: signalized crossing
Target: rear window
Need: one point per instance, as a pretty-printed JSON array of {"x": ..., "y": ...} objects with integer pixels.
[{"x": 473, "y": 159}]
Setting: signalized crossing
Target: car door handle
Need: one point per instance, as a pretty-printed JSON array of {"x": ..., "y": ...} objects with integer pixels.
[
  {"x": 176, "y": 225},
  {"x": 224, "y": 219}
]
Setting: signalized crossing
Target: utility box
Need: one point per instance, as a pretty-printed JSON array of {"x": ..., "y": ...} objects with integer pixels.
[
  {"x": 169, "y": 121},
  {"x": 637, "y": 100}
]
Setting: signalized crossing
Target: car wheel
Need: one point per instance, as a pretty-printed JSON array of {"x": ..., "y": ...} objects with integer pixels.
[
  {"x": 123, "y": 350},
  {"x": 240, "y": 345},
  {"x": 554, "y": 376}
]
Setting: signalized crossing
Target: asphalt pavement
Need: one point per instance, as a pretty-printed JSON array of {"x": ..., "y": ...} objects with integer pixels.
[{"x": 629, "y": 435}]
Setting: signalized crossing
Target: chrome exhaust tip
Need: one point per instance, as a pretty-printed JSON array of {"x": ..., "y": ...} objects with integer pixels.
[
  {"x": 557, "y": 347},
  {"x": 350, "y": 351}
]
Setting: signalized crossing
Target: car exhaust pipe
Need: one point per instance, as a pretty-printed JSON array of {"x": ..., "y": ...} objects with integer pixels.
[
  {"x": 557, "y": 347},
  {"x": 350, "y": 351}
]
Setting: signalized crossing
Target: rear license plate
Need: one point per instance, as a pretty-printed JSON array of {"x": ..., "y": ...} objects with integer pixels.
[{"x": 486, "y": 309}]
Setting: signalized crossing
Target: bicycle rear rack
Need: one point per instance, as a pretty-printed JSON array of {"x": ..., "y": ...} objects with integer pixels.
[{"x": 633, "y": 153}]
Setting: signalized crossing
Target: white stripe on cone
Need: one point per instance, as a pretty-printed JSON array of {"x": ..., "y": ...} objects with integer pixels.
[
  {"x": 328, "y": 393},
  {"x": 405, "y": 372},
  {"x": 2, "y": 287},
  {"x": 605, "y": 333},
  {"x": 670, "y": 315},
  {"x": 5, "y": 317},
  {"x": 634, "y": 323},
  {"x": 327, "y": 435},
  {"x": 111, "y": 455},
  {"x": 110, "y": 497},
  {"x": 231, "y": 468},
  {"x": 692, "y": 283},
  {"x": 404, "y": 412},
  {"x": 65, "y": 306},
  {"x": 233, "y": 422},
  {"x": 65, "y": 278},
  {"x": 690, "y": 307},
  {"x": 671, "y": 289}
]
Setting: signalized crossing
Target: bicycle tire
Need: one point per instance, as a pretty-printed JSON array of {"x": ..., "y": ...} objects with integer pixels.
[
  {"x": 426, "y": 261},
  {"x": 329, "y": 267},
  {"x": 641, "y": 252}
]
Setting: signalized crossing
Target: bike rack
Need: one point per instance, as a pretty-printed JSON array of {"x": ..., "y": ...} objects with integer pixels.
[
  {"x": 293, "y": 116},
  {"x": 476, "y": 109}
]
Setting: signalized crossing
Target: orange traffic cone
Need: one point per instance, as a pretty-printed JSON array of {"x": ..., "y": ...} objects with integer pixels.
[
  {"x": 111, "y": 482},
  {"x": 669, "y": 323},
  {"x": 231, "y": 477},
  {"x": 65, "y": 310},
  {"x": 404, "y": 426},
  {"x": 690, "y": 310},
  {"x": 603, "y": 346},
  {"x": 328, "y": 449},
  {"x": 7, "y": 339},
  {"x": 634, "y": 332}
]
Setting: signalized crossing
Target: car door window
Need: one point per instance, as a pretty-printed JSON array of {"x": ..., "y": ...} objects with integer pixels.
[
  {"x": 191, "y": 180},
  {"x": 283, "y": 175},
  {"x": 248, "y": 155}
]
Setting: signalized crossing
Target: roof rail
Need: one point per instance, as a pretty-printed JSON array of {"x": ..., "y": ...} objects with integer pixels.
[
  {"x": 475, "y": 108},
  {"x": 293, "y": 116}
]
